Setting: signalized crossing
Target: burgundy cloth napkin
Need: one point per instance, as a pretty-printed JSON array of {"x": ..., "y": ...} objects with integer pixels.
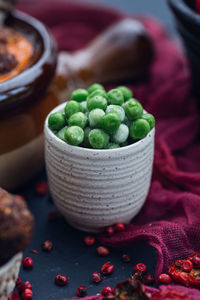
[{"x": 170, "y": 219}]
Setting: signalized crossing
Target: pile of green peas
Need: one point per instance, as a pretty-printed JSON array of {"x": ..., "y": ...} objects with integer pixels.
[{"x": 97, "y": 119}]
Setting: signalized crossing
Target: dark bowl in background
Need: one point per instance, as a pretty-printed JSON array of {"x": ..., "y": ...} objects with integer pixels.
[{"x": 188, "y": 25}]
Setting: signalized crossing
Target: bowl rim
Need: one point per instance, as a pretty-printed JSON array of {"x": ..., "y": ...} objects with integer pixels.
[
  {"x": 9, "y": 263},
  {"x": 77, "y": 149}
]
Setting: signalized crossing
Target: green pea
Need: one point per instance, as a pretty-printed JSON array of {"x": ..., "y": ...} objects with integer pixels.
[
  {"x": 56, "y": 121},
  {"x": 95, "y": 86},
  {"x": 139, "y": 129},
  {"x": 86, "y": 142},
  {"x": 79, "y": 95},
  {"x": 96, "y": 102},
  {"x": 78, "y": 119},
  {"x": 74, "y": 135},
  {"x": 121, "y": 135},
  {"x": 133, "y": 109},
  {"x": 72, "y": 107},
  {"x": 61, "y": 133},
  {"x": 98, "y": 139},
  {"x": 116, "y": 97},
  {"x": 112, "y": 146},
  {"x": 118, "y": 109},
  {"x": 150, "y": 119},
  {"x": 126, "y": 92},
  {"x": 110, "y": 122},
  {"x": 95, "y": 116},
  {"x": 99, "y": 92}
]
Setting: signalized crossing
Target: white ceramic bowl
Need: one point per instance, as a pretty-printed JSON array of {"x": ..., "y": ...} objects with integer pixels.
[
  {"x": 8, "y": 275},
  {"x": 96, "y": 188}
]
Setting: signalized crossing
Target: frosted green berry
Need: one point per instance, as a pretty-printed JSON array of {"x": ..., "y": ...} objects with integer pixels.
[
  {"x": 78, "y": 119},
  {"x": 150, "y": 119},
  {"x": 71, "y": 108},
  {"x": 98, "y": 93},
  {"x": 98, "y": 139},
  {"x": 56, "y": 121},
  {"x": 139, "y": 129},
  {"x": 61, "y": 133},
  {"x": 86, "y": 142},
  {"x": 95, "y": 116},
  {"x": 115, "y": 97},
  {"x": 112, "y": 146},
  {"x": 79, "y": 95},
  {"x": 118, "y": 109},
  {"x": 121, "y": 135},
  {"x": 126, "y": 92},
  {"x": 74, "y": 135},
  {"x": 84, "y": 106},
  {"x": 96, "y": 102},
  {"x": 110, "y": 122},
  {"x": 94, "y": 87},
  {"x": 133, "y": 109}
]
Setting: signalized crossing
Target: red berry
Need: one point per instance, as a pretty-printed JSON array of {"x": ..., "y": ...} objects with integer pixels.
[
  {"x": 25, "y": 285},
  {"x": 187, "y": 265},
  {"x": 42, "y": 188},
  {"x": 148, "y": 279},
  {"x": 179, "y": 263},
  {"x": 140, "y": 268},
  {"x": 81, "y": 291},
  {"x": 27, "y": 294},
  {"x": 47, "y": 246},
  {"x": 119, "y": 227},
  {"x": 89, "y": 240},
  {"x": 61, "y": 280},
  {"x": 13, "y": 296},
  {"x": 109, "y": 230},
  {"x": 19, "y": 280},
  {"x": 107, "y": 290},
  {"x": 196, "y": 261},
  {"x": 107, "y": 268},
  {"x": 126, "y": 258},
  {"x": 96, "y": 277},
  {"x": 102, "y": 251},
  {"x": 164, "y": 278},
  {"x": 27, "y": 262}
]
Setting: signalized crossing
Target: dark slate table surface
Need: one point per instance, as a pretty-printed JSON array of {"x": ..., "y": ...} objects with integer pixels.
[{"x": 70, "y": 256}]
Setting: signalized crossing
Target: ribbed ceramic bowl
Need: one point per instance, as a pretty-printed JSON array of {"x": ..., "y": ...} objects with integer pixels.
[
  {"x": 96, "y": 188},
  {"x": 8, "y": 275}
]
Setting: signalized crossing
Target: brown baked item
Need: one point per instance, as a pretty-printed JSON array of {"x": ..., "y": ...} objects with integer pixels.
[{"x": 16, "y": 225}]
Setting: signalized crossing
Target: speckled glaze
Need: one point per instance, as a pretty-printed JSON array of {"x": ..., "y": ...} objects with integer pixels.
[
  {"x": 97, "y": 188},
  {"x": 8, "y": 275}
]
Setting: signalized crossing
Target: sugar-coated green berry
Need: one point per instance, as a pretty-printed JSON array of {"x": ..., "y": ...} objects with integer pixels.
[
  {"x": 121, "y": 135},
  {"x": 86, "y": 142},
  {"x": 95, "y": 116},
  {"x": 150, "y": 119},
  {"x": 71, "y": 108},
  {"x": 95, "y": 86},
  {"x": 139, "y": 129},
  {"x": 110, "y": 122},
  {"x": 96, "y": 102},
  {"x": 74, "y": 135},
  {"x": 98, "y": 139},
  {"x": 99, "y": 92},
  {"x": 133, "y": 109},
  {"x": 118, "y": 109},
  {"x": 78, "y": 119},
  {"x": 84, "y": 105},
  {"x": 56, "y": 121},
  {"x": 112, "y": 146},
  {"x": 115, "y": 96},
  {"x": 126, "y": 92},
  {"x": 79, "y": 95},
  {"x": 61, "y": 133}
]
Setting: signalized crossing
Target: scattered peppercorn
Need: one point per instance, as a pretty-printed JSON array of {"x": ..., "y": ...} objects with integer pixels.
[
  {"x": 89, "y": 240},
  {"x": 140, "y": 268},
  {"x": 61, "y": 280},
  {"x": 109, "y": 230},
  {"x": 42, "y": 188},
  {"x": 164, "y": 278},
  {"x": 107, "y": 268},
  {"x": 13, "y": 296},
  {"x": 125, "y": 258},
  {"x": 25, "y": 285},
  {"x": 119, "y": 227},
  {"x": 102, "y": 251},
  {"x": 107, "y": 290},
  {"x": 148, "y": 279},
  {"x": 96, "y": 277},
  {"x": 187, "y": 265},
  {"x": 82, "y": 291},
  {"x": 27, "y": 294},
  {"x": 47, "y": 246},
  {"x": 34, "y": 251},
  {"x": 27, "y": 262}
]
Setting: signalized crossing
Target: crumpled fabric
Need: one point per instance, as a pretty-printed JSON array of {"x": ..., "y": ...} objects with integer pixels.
[{"x": 170, "y": 218}]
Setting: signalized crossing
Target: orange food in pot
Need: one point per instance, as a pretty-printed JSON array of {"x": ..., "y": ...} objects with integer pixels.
[{"x": 15, "y": 53}]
